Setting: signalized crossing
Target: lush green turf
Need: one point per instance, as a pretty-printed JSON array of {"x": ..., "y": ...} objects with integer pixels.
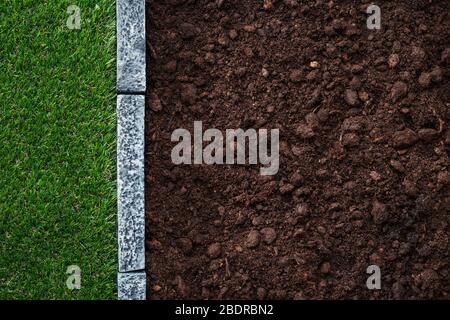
[{"x": 57, "y": 133}]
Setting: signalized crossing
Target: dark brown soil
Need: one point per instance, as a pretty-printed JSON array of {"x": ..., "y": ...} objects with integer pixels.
[{"x": 364, "y": 174}]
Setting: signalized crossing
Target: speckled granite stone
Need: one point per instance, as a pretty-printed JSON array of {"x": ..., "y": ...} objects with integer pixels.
[
  {"x": 130, "y": 182},
  {"x": 131, "y": 286},
  {"x": 130, "y": 46}
]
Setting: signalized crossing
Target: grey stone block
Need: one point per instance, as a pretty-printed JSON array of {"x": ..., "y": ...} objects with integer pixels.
[
  {"x": 131, "y": 286},
  {"x": 130, "y": 46},
  {"x": 130, "y": 182}
]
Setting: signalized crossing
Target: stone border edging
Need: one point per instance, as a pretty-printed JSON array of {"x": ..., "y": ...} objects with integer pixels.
[
  {"x": 131, "y": 85},
  {"x": 131, "y": 286},
  {"x": 130, "y": 15}
]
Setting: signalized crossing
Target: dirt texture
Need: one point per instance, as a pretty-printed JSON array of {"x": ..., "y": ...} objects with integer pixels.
[{"x": 364, "y": 153}]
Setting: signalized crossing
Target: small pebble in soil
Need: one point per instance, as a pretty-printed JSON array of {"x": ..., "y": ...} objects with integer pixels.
[
  {"x": 183, "y": 289},
  {"x": 355, "y": 83},
  {"x": 292, "y": 220},
  {"x": 259, "y": 220},
  {"x": 171, "y": 66},
  {"x": 418, "y": 56},
  {"x": 253, "y": 239},
  {"x": 354, "y": 124},
  {"x": 268, "y": 4},
  {"x": 350, "y": 139},
  {"x": 393, "y": 60},
  {"x": 156, "y": 288},
  {"x": 296, "y": 179},
  {"x": 379, "y": 62},
  {"x": 404, "y": 139},
  {"x": 397, "y": 290},
  {"x": 153, "y": 244},
  {"x": 329, "y": 31},
  {"x": 214, "y": 250},
  {"x": 357, "y": 69},
  {"x": 210, "y": 58},
  {"x": 269, "y": 235},
  {"x": 404, "y": 110},
  {"x": 223, "y": 41},
  {"x": 436, "y": 74},
  {"x": 199, "y": 62},
  {"x": 215, "y": 264},
  {"x": 427, "y": 134},
  {"x": 283, "y": 261},
  {"x": 233, "y": 34},
  {"x": 321, "y": 230},
  {"x": 249, "y": 28},
  {"x": 323, "y": 115},
  {"x": 443, "y": 179},
  {"x": 351, "y": 97},
  {"x": 291, "y": 3},
  {"x": 155, "y": 102},
  {"x": 286, "y": 188},
  {"x": 425, "y": 79},
  {"x": 315, "y": 98},
  {"x": 300, "y": 232},
  {"x": 379, "y": 212},
  {"x": 397, "y": 165},
  {"x": 314, "y": 64},
  {"x": 187, "y": 30},
  {"x": 304, "y": 131},
  {"x": 299, "y": 296},
  {"x": 302, "y": 210},
  {"x": 220, "y": 3},
  {"x": 445, "y": 56},
  {"x": 296, "y": 75},
  {"x": 312, "y": 120},
  {"x": 188, "y": 93},
  {"x": 261, "y": 293},
  {"x": 325, "y": 268},
  {"x": 240, "y": 72},
  {"x": 447, "y": 138},
  {"x": 363, "y": 96},
  {"x": 398, "y": 91},
  {"x": 264, "y": 72},
  {"x": 248, "y": 52},
  {"x": 410, "y": 188},
  {"x": 375, "y": 175},
  {"x": 427, "y": 279},
  {"x": 335, "y": 206},
  {"x": 313, "y": 75}
]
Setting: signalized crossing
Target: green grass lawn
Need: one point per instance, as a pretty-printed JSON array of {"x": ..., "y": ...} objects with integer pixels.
[{"x": 57, "y": 154}]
